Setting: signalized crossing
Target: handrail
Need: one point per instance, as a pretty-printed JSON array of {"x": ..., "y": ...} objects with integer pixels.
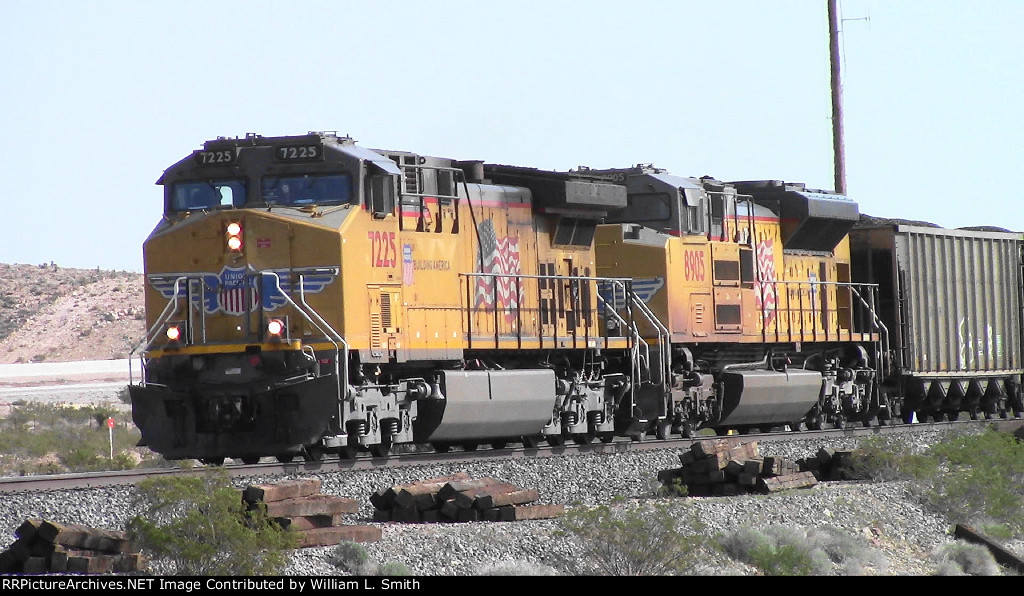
[
  {"x": 340, "y": 376},
  {"x": 150, "y": 335}
]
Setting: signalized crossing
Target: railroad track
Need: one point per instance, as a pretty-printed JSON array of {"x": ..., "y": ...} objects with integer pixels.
[{"x": 364, "y": 462}]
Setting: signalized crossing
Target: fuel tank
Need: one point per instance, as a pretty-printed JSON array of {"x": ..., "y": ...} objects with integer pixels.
[
  {"x": 760, "y": 397},
  {"x": 487, "y": 404}
]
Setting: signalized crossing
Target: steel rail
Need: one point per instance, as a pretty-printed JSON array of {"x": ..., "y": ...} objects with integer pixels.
[{"x": 327, "y": 465}]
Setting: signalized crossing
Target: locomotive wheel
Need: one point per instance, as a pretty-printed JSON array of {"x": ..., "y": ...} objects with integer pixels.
[
  {"x": 583, "y": 438},
  {"x": 662, "y": 430},
  {"x": 382, "y": 449},
  {"x": 556, "y": 440},
  {"x": 312, "y": 453},
  {"x": 285, "y": 458},
  {"x": 251, "y": 460}
]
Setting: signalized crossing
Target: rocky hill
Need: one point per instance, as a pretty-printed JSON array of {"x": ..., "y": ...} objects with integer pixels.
[{"x": 50, "y": 313}]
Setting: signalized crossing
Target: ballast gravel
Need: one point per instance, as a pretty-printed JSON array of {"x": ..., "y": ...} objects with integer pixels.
[{"x": 887, "y": 517}]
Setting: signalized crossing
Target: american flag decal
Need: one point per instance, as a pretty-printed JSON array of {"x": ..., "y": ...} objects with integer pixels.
[
  {"x": 407, "y": 265},
  {"x": 764, "y": 290},
  {"x": 499, "y": 256}
]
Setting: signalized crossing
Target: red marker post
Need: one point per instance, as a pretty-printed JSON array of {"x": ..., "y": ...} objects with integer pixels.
[{"x": 110, "y": 435}]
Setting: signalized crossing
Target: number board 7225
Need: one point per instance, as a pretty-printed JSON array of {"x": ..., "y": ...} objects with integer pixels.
[{"x": 298, "y": 153}]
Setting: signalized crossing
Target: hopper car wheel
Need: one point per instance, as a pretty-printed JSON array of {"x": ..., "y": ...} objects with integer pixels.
[
  {"x": 251, "y": 460},
  {"x": 347, "y": 452},
  {"x": 607, "y": 437},
  {"x": 312, "y": 453},
  {"x": 498, "y": 444},
  {"x": 285, "y": 458},
  {"x": 638, "y": 437},
  {"x": 470, "y": 446},
  {"x": 814, "y": 422},
  {"x": 839, "y": 422},
  {"x": 973, "y": 413},
  {"x": 556, "y": 440},
  {"x": 797, "y": 426},
  {"x": 213, "y": 461},
  {"x": 441, "y": 447},
  {"x": 952, "y": 416},
  {"x": 722, "y": 431},
  {"x": 531, "y": 442}
]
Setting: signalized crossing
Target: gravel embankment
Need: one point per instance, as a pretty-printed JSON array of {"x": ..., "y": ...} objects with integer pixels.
[{"x": 885, "y": 516}]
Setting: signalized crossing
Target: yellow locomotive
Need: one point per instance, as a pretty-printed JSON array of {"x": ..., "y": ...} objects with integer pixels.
[{"x": 308, "y": 295}]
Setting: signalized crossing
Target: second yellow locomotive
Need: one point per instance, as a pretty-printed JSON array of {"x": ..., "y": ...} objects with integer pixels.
[{"x": 308, "y": 295}]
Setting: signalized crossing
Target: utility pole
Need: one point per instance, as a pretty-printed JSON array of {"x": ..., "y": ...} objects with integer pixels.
[{"x": 838, "y": 151}]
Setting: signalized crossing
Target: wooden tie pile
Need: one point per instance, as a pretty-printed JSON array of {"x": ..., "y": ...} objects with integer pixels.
[
  {"x": 716, "y": 468},
  {"x": 49, "y": 547},
  {"x": 459, "y": 498},
  {"x": 298, "y": 505}
]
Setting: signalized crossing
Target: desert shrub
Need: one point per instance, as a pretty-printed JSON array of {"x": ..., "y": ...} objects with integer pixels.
[
  {"x": 639, "y": 540},
  {"x": 965, "y": 559},
  {"x": 971, "y": 478},
  {"x": 778, "y": 550},
  {"x": 981, "y": 482},
  {"x": 353, "y": 558},
  {"x": 851, "y": 553},
  {"x": 674, "y": 488},
  {"x": 880, "y": 460},
  {"x": 393, "y": 569},
  {"x": 198, "y": 524},
  {"x": 516, "y": 568},
  {"x": 69, "y": 439}
]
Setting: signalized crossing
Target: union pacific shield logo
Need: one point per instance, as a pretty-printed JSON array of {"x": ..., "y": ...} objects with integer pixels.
[
  {"x": 239, "y": 290},
  {"x": 231, "y": 292}
]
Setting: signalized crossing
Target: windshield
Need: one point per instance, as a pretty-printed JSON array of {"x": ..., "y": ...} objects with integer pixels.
[
  {"x": 207, "y": 194},
  {"x": 307, "y": 189}
]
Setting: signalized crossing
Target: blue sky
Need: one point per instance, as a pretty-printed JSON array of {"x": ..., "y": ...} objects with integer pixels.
[{"x": 99, "y": 97}]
